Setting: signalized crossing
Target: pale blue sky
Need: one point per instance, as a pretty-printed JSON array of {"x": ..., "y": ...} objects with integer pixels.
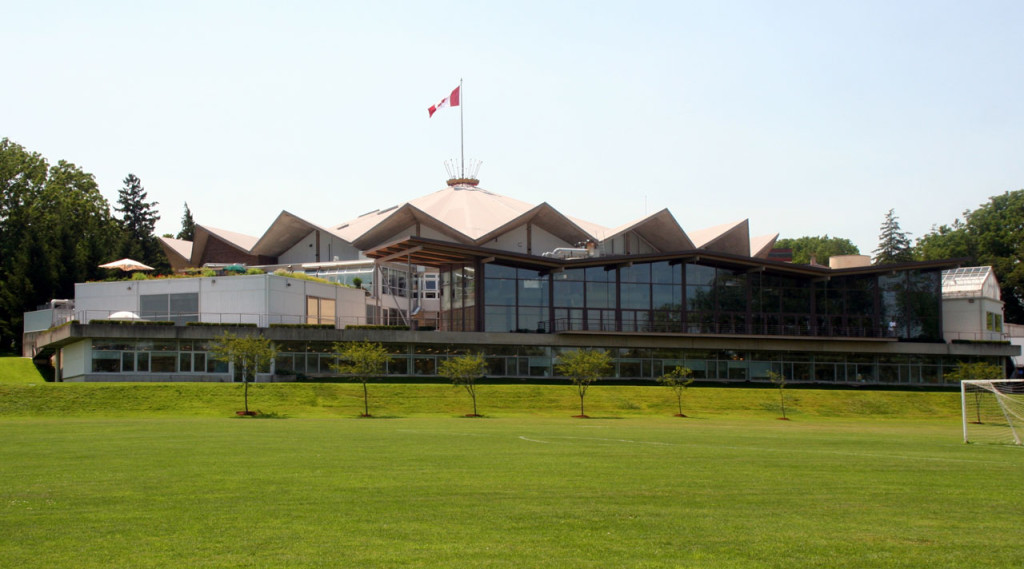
[{"x": 807, "y": 117}]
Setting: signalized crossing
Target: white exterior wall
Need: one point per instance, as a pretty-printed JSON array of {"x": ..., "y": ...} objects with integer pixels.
[
  {"x": 96, "y": 301},
  {"x": 965, "y": 318},
  {"x": 237, "y": 299},
  {"x": 75, "y": 359},
  {"x": 512, "y": 240},
  {"x": 544, "y": 242},
  {"x": 428, "y": 232},
  {"x": 330, "y": 247},
  {"x": 257, "y": 299},
  {"x": 515, "y": 240}
]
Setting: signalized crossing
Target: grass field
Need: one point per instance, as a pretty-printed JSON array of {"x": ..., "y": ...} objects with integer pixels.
[
  {"x": 509, "y": 492},
  {"x": 162, "y": 475}
]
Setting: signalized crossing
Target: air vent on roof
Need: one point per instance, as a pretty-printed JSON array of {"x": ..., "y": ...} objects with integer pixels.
[
  {"x": 387, "y": 209},
  {"x": 343, "y": 226},
  {"x": 369, "y": 212}
]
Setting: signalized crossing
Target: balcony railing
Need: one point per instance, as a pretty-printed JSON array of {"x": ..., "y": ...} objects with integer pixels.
[{"x": 580, "y": 325}]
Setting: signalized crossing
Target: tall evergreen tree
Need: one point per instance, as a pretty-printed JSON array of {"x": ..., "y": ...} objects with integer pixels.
[
  {"x": 188, "y": 225},
  {"x": 138, "y": 220},
  {"x": 893, "y": 242}
]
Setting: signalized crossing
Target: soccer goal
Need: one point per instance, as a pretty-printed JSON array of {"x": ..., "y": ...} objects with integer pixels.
[{"x": 993, "y": 410}]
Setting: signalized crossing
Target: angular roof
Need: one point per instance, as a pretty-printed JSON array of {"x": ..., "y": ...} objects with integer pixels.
[
  {"x": 282, "y": 234},
  {"x": 761, "y": 245},
  {"x": 178, "y": 252},
  {"x": 732, "y": 238},
  {"x": 470, "y": 215},
  {"x": 660, "y": 229}
]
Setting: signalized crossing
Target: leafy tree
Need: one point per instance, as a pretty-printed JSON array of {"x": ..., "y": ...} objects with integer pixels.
[
  {"x": 678, "y": 379},
  {"x": 584, "y": 367},
  {"x": 990, "y": 235},
  {"x": 365, "y": 360},
  {"x": 250, "y": 352},
  {"x": 893, "y": 242},
  {"x": 188, "y": 225},
  {"x": 464, "y": 370},
  {"x": 821, "y": 247},
  {"x": 975, "y": 370},
  {"x": 779, "y": 380},
  {"x": 55, "y": 228}
]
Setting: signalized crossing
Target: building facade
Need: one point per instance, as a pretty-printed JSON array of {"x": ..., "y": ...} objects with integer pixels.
[{"x": 466, "y": 270}]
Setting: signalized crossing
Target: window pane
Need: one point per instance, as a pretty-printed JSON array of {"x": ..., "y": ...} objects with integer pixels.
[
  {"x": 636, "y": 296},
  {"x": 164, "y": 363},
  {"x": 106, "y": 361},
  {"x": 327, "y": 306}
]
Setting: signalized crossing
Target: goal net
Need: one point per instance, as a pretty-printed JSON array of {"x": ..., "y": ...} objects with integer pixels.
[{"x": 993, "y": 410}]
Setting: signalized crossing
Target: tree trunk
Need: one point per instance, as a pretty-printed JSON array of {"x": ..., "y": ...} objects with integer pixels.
[
  {"x": 366, "y": 402},
  {"x": 245, "y": 382}
]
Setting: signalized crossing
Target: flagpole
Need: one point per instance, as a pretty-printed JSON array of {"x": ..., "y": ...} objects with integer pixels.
[{"x": 462, "y": 134}]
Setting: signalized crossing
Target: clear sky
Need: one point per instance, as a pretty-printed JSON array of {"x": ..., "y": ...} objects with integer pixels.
[{"x": 807, "y": 117}]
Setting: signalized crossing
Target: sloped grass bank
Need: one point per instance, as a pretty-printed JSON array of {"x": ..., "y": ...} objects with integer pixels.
[
  {"x": 15, "y": 370},
  {"x": 407, "y": 400}
]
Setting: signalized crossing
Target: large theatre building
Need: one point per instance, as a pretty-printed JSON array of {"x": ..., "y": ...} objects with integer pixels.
[{"x": 467, "y": 270}]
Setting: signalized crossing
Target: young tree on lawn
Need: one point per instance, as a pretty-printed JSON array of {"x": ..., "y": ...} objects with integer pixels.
[
  {"x": 464, "y": 370},
  {"x": 250, "y": 352},
  {"x": 678, "y": 379},
  {"x": 365, "y": 360},
  {"x": 188, "y": 225},
  {"x": 779, "y": 380},
  {"x": 584, "y": 367},
  {"x": 893, "y": 243}
]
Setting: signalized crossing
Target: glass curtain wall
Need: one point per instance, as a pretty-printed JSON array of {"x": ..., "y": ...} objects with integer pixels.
[
  {"x": 701, "y": 299},
  {"x": 458, "y": 299}
]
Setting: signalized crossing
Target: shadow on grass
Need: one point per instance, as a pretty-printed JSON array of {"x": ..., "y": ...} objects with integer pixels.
[{"x": 262, "y": 415}]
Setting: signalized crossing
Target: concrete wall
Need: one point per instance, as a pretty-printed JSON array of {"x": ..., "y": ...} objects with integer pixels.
[
  {"x": 258, "y": 299},
  {"x": 75, "y": 360},
  {"x": 965, "y": 318}
]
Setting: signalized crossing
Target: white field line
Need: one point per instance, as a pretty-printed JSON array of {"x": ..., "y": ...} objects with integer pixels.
[
  {"x": 770, "y": 450},
  {"x": 692, "y": 445}
]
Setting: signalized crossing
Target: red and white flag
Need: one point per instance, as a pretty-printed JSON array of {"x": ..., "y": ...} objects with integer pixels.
[{"x": 449, "y": 101}]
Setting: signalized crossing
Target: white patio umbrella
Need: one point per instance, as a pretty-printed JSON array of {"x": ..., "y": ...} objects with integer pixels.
[{"x": 127, "y": 265}]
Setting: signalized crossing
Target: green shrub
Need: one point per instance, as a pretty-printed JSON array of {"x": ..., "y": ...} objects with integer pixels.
[{"x": 309, "y": 326}]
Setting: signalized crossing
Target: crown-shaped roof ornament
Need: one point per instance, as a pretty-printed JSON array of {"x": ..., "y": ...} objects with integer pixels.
[{"x": 462, "y": 174}]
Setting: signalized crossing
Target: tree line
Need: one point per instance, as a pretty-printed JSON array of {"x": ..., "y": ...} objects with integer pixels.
[
  {"x": 991, "y": 235},
  {"x": 56, "y": 228}
]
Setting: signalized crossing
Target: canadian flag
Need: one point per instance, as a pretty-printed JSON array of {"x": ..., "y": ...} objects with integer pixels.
[{"x": 449, "y": 101}]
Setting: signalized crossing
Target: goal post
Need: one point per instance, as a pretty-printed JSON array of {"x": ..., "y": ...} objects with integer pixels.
[{"x": 992, "y": 410}]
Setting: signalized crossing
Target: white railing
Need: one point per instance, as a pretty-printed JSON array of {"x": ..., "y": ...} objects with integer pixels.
[{"x": 260, "y": 320}]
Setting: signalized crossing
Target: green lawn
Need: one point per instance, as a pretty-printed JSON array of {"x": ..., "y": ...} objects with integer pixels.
[
  {"x": 517, "y": 491},
  {"x": 164, "y": 475}
]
